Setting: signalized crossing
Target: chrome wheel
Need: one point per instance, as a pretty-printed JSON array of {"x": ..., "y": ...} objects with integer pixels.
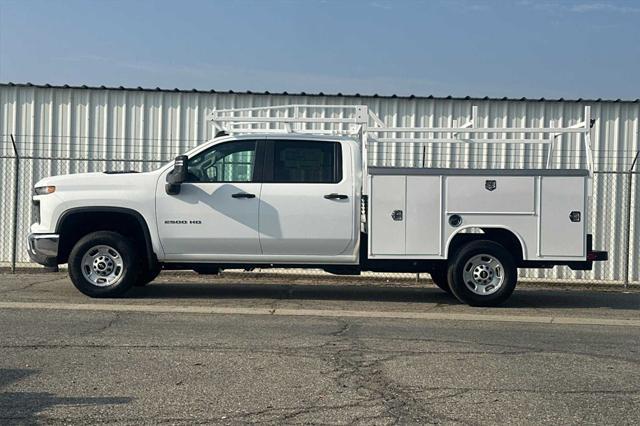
[
  {"x": 102, "y": 266},
  {"x": 483, "y": 274}
]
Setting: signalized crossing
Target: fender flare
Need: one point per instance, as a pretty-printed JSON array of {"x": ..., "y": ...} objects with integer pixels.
[
  {"x": 151, "y": 255},
  {"x": 523, "y": 247}
]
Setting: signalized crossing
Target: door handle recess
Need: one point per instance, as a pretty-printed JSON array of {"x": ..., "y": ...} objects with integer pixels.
[
  {"x": 335, "y": 196},
  {"x": 243, "y": 195}
]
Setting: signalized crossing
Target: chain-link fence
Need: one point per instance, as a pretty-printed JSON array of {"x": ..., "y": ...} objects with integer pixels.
[{"x": 25, "y": 159}]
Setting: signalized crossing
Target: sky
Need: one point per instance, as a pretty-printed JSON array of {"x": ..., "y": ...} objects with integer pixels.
[{"x": 519, "y": 48}]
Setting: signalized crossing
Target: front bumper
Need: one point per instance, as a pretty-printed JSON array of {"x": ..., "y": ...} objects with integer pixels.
[{"x": 43, "y": 248}]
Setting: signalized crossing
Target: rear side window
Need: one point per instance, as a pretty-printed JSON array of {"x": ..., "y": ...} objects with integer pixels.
[{"x": 306, "y": 162}]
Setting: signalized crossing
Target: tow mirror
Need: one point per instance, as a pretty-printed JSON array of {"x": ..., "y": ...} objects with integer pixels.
[{"x": 178, "y": 175}]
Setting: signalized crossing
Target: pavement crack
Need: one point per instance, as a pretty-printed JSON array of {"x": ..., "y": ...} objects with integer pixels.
[
  {"x": 115, "y": 318},
  {"x": 31, "y": 284},
  {"x": 342, "y": 330},
  {"x": 357, "y": 370}
]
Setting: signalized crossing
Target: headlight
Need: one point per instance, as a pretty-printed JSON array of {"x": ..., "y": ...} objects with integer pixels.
[{"x": 41, "y": 190}]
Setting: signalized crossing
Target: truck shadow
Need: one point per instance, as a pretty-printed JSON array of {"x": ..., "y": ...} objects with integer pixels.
[
  {"x": 574, "y": 299},
  {"x": 227, "y": 290},
  {"x": 25, "y": 407},
  {"x": 539, "y": 298}
]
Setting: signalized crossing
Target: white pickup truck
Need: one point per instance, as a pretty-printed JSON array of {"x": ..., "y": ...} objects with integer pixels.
[{"x": 276, "y": 188}]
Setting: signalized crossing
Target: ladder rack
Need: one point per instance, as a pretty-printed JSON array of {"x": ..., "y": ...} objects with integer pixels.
[{"x": 359, "y": 122}]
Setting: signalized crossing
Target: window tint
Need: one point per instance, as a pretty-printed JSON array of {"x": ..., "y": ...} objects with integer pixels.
[
  {"x": 307, "y": 162},
  {"x": 227, "y": 162}
]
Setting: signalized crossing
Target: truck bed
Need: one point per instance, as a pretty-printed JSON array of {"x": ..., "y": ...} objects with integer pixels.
[{"x": 414, "y": 213}]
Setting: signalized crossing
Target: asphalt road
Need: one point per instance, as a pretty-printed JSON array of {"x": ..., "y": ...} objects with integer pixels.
[{"x": 184, "y": 351}]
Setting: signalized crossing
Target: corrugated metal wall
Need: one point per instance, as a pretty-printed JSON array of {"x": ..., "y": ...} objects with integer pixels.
[{"x": 130, "y": 128}]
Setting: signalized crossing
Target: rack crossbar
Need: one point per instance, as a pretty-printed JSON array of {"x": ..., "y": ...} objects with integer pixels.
[
  {"x": 252, "y": 120},
  {"x": 283, "y": 107},
  {"x": 461, "y": 140},
  {"x": 545, "y": 130}
]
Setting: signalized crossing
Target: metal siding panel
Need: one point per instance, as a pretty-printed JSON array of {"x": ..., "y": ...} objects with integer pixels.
[{"x": 144, "y": 125}]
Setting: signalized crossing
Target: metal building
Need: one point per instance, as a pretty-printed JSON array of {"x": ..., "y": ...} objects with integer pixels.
[{"x": 64, "y": 129}]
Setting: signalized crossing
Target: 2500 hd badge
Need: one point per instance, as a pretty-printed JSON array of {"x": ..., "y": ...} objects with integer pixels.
[{"x": 182, "y": 222}]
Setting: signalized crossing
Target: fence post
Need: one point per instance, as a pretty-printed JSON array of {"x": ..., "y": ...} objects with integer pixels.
[
  {"x": 16, "y": 179},
  {"x": 627, "y": 242}
]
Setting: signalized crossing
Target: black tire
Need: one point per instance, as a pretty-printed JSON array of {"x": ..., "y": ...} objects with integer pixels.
[
  {"x": 439, "y": 278},
  {"x": 466, "y": 257},
  {"x": 128, "y": 271},
  {"x": 148, "y": 274}
]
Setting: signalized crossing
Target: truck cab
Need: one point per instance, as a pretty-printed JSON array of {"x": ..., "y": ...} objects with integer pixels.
[{"x": 264, "y": 199}]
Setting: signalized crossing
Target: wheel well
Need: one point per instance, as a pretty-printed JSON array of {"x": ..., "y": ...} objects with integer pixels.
[
  {"x": 502, "y": 236},
  {"x": 76, "y": 224}
]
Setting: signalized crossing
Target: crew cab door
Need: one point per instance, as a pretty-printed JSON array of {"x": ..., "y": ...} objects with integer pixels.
[
  {"x": 215, "y": 215},
  {"x": 307, "y": 200}
]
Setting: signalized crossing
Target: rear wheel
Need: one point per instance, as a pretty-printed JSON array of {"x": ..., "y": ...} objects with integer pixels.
[
  {"x": 103, "y": 264},
  {"x": 482, "y": 273},
  {"x": 439, "y": 278}
]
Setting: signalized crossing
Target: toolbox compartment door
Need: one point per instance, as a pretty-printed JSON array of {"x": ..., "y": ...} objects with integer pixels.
[
  {"x": 491, "y": 194},
  {"x": 387, "y": 227},
  {"x": 424, "y": 216},
  {"x": 405, "y": 215},
  {"x": 561, "y": 233}
]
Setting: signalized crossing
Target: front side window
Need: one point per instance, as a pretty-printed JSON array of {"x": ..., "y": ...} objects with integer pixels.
[
  {"x": 227, "y": 162},
  {"x": 307, "y": 162}
]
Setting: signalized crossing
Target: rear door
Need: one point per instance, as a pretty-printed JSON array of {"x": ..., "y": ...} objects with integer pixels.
[{"x": 307, "y": 199}]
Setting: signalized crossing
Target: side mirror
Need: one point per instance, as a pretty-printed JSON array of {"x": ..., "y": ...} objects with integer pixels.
[{"x": 178, "y": 175}]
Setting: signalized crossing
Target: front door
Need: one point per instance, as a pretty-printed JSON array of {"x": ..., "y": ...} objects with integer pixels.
[
  {"x": 307, "y": 199},
  {"x": 215, "y": 215}
]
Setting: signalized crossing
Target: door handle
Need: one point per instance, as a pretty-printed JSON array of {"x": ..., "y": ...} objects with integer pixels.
[
  {"x": 243, "y": 195},
  {"x": 335, "y": 196}
]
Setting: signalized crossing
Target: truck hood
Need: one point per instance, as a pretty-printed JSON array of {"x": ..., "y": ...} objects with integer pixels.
[{"x": 99, "y": 180}]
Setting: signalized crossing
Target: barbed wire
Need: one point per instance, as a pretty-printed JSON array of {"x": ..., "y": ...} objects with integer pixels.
[
  {"x": 412, "y": 154},
  {"x": 134, "y": 138}
]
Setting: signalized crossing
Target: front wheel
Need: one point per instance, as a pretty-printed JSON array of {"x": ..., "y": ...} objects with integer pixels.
[
  {"x": 482, "y": 273},
  {"x": 103, "y": 264}
]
